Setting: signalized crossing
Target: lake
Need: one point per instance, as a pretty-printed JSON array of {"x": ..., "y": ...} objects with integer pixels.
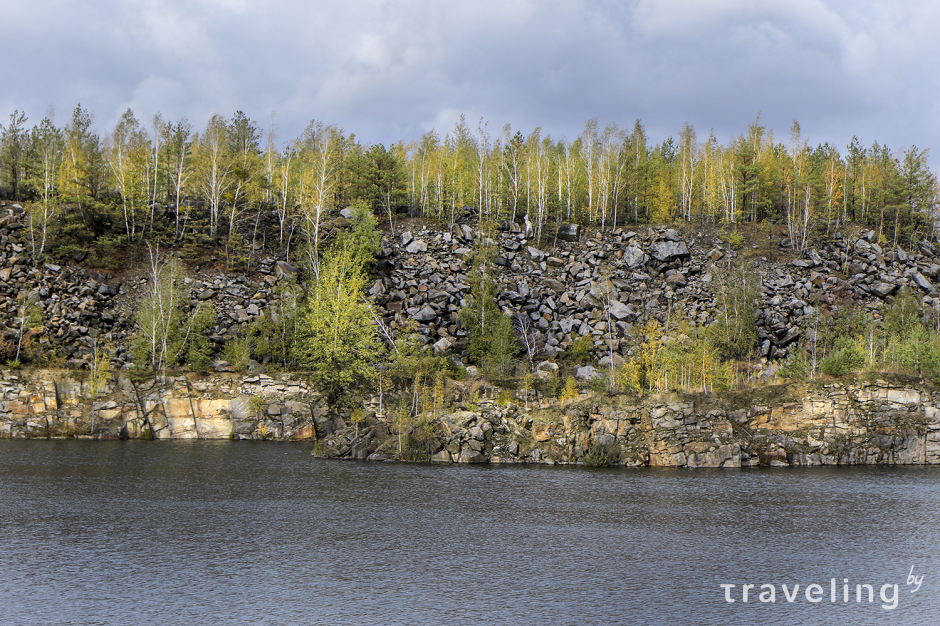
[{"x": 183, "y": 532}]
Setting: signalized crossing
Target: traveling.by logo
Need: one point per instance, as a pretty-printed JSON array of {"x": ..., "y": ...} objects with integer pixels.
[{"x": 861, "y": 593}]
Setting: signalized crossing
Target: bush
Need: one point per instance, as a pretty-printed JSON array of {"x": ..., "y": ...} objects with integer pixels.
[
  {"x": 795, "y": 367},
  {"x": 198, "y": 352},
  {"x": 571, "y": 390},
  {"x": 602, "y": 455},
  {"x": 735, "y": 240},
  {"x": 492, "y": 339},
  {"x": 734, "y": 332},
  {"x": 336, "y": 340},
  {"x": 846, "y": 358},
  {"x": 580, "y": 351},
  {"x": 238, "y": 353}
]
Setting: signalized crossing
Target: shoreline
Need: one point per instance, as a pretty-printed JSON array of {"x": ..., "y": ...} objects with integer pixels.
[{"x": 870, "y": 420}]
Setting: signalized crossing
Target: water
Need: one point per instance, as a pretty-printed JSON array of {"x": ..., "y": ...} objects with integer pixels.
[{"x": 238, "y": 533}]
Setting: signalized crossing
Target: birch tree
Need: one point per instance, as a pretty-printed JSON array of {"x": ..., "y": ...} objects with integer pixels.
[
  {"x": 179, "y": 153},
  {"x": 320, "y": 159},
  {"x": 688, "y": 161},
  {"x": 123, "y": 150},
  {"x": 47, "y": 144},
  {"x": 213, "y": 167},
  {"x": 338, "y": 342},
  {"x": 158, "y": 313}
]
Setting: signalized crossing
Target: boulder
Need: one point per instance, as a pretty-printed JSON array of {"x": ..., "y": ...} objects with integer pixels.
[
  {"x": 621, "y": 311},
  {"x": 416, "y": 246},
  {"x": 883, "y": 290},
  {"x": 469, "y": 455},
  {"x": 569, "y": 232},
  {"x": 442, "y": 346},
  {"x": 284, "y": 269},
  {"x": 634, "y": 257},
  {"x": 425, "y": 314},
  {"x": 587, "y": 372},
  {"x": 921, "y": 281},
  {"x": 677, "y": 280},
  {"x": 669, "y": 250}
]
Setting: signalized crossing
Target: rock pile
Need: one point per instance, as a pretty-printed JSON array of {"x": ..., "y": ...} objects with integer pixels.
[
  {"x": 573, "y": 288},
  {"x": 578, "y": 284},
  {"x": 76, "y": 306}
]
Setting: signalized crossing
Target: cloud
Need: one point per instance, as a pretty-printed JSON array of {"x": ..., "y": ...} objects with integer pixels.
[{"x": 393, "y": 69}]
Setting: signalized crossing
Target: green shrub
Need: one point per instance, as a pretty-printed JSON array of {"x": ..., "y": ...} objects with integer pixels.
[
  {"x": 198, "y": 353},
  {"x": 238, "y": 353},
  {"x": 571, "y": 390},
  {"x": 846, "y": 358},
  {"x": 735, "y": 240},
  {"x": 734, "y": 331},
  {"x": 580, "y": 351},
  {"x": 602, "y": 455},
  {"x": 795, "y": 367}
]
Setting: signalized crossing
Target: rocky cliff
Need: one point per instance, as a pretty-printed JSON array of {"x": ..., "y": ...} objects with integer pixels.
[
  {"x": 871, "y": 420},
  {"x": 561, "y": 284},
  {"x": 565, "y": 283}
]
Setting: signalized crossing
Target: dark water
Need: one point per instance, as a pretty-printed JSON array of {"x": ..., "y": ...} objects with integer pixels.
[{"x": 240, "y": 533}]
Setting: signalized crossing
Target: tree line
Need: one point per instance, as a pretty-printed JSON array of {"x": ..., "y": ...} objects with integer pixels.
[
  {"x": 607, "y": 175},
  {"x": 168, "y": 179}
]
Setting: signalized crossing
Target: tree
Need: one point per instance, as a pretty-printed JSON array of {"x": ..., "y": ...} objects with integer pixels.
[
  {"x": 337, "y": 341},
  {"x": 320, "y": 150},
  {"x": 490, "y": 333},
  {"x": 734, "y": 331},
  {"x": 687, "y": 160},
  {"x": 377, "y": 177},
  {"x": 178, "y": 154},
  {"x": 531, "y": 341},
  {"x": 127, "y": 153},
  {"x": 512, "y": 163},
  {"x": 158, "y": 313},
  {"x": 99, "y": 374},
  {"x": 362, "y": 239},
  {"x": 389, "y": 179},
  {"x": 214, "y": 167},
  {"x": 47, "y": 147},
  {"x": 918, "y": 188},
  {"x": 13, "y": 141},
  {"x": 83, "y": 168},
  {"x": 285, "y": 187},
  {"x": 244, "y": 138}
]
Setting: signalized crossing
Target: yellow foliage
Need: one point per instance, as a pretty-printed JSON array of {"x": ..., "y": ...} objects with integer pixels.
[
  {"x": 570, "y": 390},
  {"x": 683, "y": 360}
]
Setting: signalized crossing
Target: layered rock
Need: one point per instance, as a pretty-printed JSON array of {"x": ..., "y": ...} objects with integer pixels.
[{"x": 874, "y": 420}]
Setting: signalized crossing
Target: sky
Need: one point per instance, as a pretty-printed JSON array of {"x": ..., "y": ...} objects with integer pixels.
[{"x": 392, "y": 70}]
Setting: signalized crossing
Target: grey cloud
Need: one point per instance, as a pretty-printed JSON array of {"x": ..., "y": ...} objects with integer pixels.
[{"x": 390, "y": 70}]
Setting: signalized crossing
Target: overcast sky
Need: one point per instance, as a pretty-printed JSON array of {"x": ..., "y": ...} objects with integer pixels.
[{"x": 389, "y": 70}]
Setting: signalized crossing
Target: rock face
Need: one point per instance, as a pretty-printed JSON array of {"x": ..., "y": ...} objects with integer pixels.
[
  {"x": 871, "y": 422},
  {"x": 881, "y": 421},
  {"x": 45, "y": 403}
]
